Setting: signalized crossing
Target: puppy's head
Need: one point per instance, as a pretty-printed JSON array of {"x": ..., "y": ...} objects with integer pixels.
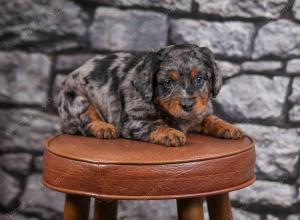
[{"x": 181, "y": 79}]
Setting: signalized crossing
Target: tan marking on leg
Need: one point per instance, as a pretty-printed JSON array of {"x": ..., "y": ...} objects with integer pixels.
[
  {"x": 93, "y": 114},
  {"x": 167, "y": 136},
  {"x": 98, "y": 127},
  {"x": 216, "y": 127}
]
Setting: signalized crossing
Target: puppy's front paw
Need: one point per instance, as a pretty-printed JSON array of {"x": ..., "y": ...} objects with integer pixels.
[
  {"x": 229, "y": 131},
  {"x": 103, "y": 130},
  {"x": 167, "y": 136}
]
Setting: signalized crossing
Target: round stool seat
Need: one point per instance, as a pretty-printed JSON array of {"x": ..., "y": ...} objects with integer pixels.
[{"x": 128, "y": 169}]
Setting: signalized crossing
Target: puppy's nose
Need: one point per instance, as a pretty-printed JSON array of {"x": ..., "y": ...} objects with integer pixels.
[{"x": 187, "y": 105}]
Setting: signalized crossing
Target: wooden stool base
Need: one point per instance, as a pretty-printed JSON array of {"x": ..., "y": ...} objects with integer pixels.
[
  {"x": 219, "y": 207},
  {"x": 76, "y": 207},
  {"x": 190, "y": 209},
  {"x": 105, "y": 209}
]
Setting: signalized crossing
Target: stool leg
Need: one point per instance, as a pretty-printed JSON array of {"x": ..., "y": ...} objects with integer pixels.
[
  {"x": 76, "y": 207},
  {"x": 219, "y": 207},
  {"x": 190, "y": 209},
  {"x": 105, "y": 209}
]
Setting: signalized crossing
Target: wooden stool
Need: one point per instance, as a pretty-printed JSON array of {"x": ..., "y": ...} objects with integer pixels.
[{"x": 84, "y": 167}]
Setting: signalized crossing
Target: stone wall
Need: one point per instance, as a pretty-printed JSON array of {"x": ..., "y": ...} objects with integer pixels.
[{"x": 256, "y": 42}]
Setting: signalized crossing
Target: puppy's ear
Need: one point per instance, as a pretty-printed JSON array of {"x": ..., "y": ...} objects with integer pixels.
[
  {"x": 145, "y": 75},
  {"x": 217, "y": 76}
]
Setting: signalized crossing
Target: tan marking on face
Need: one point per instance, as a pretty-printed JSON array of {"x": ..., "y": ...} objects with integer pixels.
[
  {"x": 200, "y": 103},
  {"x": 173, "y": 75},
  {"x": 171, "y": 105},
  {"x": 194, "y": 72}
]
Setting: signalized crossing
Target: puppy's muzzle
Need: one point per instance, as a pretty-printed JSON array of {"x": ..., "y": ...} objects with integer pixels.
[{"x": 187, "y": 105}]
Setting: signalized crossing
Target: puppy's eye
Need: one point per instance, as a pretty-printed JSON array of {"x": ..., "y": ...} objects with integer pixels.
[
  {"x": 199, "y": 80},
  {"x": 168, "y": 84}
]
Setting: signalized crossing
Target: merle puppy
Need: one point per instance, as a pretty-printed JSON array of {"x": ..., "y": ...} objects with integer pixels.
[{"x": 157, "y": 97}]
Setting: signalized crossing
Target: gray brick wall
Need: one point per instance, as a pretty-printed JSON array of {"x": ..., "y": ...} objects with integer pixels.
[{"x": 257, "y": 44}]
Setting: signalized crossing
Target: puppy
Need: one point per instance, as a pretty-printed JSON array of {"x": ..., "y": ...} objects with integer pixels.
[{"x": 157, "y": 97}]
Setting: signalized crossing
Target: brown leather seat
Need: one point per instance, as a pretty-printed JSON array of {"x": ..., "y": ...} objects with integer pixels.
[{"x": 127, "y": 169}]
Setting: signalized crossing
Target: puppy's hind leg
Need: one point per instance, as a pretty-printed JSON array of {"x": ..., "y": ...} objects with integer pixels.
[
  {"x": 78, "y": 115},
  {"x": 70, "y": 107},
  {"x": 93, "y": 125}
]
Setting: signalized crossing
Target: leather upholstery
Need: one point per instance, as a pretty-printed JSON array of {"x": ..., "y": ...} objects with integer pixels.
[{"x": 127, "y": 169}]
